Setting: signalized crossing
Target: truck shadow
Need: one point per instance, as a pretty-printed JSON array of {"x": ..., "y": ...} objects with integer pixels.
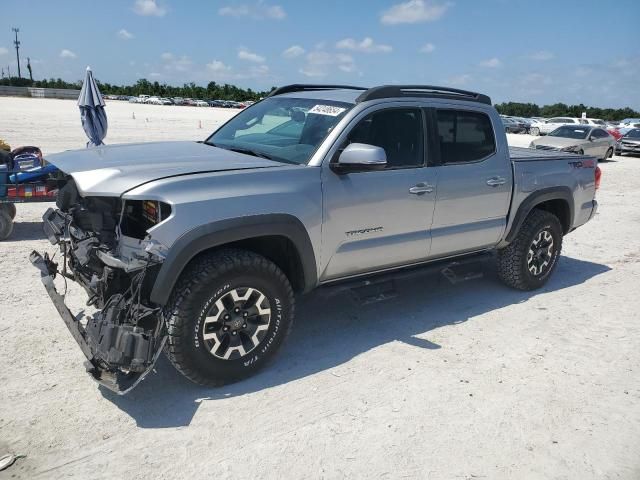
[
  {"x": 27, "y": 231},
  {"x": 331, "y": 328}
]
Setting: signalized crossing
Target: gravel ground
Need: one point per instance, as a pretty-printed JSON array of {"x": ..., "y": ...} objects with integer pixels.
[{"x": 445, "y": 381}]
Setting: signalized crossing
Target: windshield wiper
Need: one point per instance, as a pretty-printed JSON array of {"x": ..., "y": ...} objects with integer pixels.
[{"x": 249, "y": 151}]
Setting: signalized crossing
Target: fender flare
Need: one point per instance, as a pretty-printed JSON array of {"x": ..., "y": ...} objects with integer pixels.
[
  {"x": 223, "y": 232},
  {"x": 536, "y": 198}
]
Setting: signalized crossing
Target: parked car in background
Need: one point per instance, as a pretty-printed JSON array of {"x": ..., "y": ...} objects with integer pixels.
[
  {"x": 217, "y": 103},
  {"x": 553, "y": 123},
  {"x": 629, "y": 142},
  {"x": 154, "y": 101},
  {"x": 580, "y": 139},
  {"x": 624, "y": 128},
  {"x": 536, "y": 124},
  {"x": 511, "y": 126},
  {"x": 595, "y": 122},
  {"x": 614, "y": 132},
  {"x": 201, "y": 103}
]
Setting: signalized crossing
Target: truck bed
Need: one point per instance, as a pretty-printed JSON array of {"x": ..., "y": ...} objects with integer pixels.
[{"x": 521, "y": 154}]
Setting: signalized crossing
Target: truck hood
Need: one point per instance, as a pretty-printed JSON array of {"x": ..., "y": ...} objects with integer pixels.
[{"x": 115, "y": 169}]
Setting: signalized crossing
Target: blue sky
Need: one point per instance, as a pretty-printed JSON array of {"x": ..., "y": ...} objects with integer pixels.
[{"x": 544, "y": 51}]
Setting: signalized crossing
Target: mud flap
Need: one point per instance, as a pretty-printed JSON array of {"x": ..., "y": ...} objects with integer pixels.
[{"x": 113, "y": 379}]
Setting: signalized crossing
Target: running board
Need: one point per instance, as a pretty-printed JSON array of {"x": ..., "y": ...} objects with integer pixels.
[{"x": 381, "y": 287}]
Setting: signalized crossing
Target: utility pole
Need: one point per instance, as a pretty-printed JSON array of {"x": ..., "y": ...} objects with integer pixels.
[
  {"x": 17, "y": 44},
  {"x": 29, "y": 68}
]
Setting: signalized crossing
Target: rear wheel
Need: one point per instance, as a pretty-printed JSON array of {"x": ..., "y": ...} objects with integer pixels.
[
  {"x": 6, "y": 225},
  {"x": 535, "y": 131},
  {"x": 228, "y": 315},
  {"x": 528, "y": 261},
  {"x": 609, "y": 154},
  {"x": 580, "y": 152}
]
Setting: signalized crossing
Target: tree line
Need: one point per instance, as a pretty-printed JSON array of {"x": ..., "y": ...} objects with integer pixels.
[
  {"x": 225, "y": 91},
  {"x": 213, "y": 90},
  {"x": 528, "y": 110}
]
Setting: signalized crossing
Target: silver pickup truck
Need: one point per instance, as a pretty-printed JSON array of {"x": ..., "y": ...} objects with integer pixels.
[{"x": 201, "y": 247}]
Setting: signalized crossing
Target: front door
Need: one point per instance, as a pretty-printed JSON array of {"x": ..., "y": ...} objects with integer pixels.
[
  {"x": 474, "y": 184},
  {"x": 379, "y": 219}
]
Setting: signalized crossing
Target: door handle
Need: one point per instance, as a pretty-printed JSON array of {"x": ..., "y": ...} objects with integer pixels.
[
  {"x": 495, "y": 181},
  {"x": 421, "y": 189}
]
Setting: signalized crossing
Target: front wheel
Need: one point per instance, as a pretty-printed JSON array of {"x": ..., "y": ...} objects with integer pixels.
[
  {"x": 228, "y": 315},
  {"x": 528, "y": 261},
  {"x": 535, "y": 131}
]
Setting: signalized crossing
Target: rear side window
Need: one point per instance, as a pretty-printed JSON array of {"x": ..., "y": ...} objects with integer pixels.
[
  {"x": 598, "y": 133},
  {"x": 464, "y": 136}
]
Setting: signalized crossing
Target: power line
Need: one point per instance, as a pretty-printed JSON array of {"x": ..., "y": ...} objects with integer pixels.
[{"x": 17, "y": 44}]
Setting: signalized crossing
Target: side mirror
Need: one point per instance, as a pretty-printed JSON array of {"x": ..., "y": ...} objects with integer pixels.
[{"x": 360, "y": 157}]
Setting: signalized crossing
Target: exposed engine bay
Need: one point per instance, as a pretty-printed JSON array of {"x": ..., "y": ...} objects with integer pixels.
[{"x": 105, "y": 247}]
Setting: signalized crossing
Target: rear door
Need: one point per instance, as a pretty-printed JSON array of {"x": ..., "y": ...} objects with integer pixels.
[
  {"x": 601, "y": 141},
  {"x": 474, "y": 182}
]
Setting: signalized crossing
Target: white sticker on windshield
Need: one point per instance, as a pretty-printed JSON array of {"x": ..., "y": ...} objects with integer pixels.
[{"x": 327, "y": 110}]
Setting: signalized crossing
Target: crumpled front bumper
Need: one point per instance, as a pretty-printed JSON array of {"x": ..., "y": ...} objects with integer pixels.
[{"x": 115, "y": 380}]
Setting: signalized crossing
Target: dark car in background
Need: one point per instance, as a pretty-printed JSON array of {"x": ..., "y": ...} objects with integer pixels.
[
  {"x": 629, "y": 143},
  {"x": 512, "y": 126}
]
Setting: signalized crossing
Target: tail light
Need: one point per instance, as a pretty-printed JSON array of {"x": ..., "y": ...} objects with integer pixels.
[{"x": 598, "y": 177}]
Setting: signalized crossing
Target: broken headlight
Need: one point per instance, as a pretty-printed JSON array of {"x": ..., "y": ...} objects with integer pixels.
[{"x": 138, "y": 216}]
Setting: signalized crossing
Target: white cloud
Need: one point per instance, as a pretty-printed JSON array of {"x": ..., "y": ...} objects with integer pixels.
[
  {"x": 258, "y": 10},
  {"x": 246, "y": 54},
  {"x": 541, "y": 55},
  {"x": 217, "y": 66},
  {"x": 320, "y": 63},
  {"x": 155, "y": 75},
  {"x": 178, "y": 64},
  {"x": 367, "y": 45},
  {"x": 459, "y": 80},
  {"x": 414, "y": 11},
  {"x": 491, "y": 63},
  {"x": 124, "y": 34},
  {"x": 67, "y": 54},
  {"x": 3, "y": 50},
  {"x": 293, "y": 51},
  {"x": 427, "y": 48},
  {"x": 149, "y": 8}
]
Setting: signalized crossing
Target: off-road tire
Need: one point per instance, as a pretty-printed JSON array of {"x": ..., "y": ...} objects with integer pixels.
[
  {"x": 513, "y": 267},
  {"x": 6, "y": 225},
  {"x": 210, "y": 277},
  {"x": 10, "y": 208}
]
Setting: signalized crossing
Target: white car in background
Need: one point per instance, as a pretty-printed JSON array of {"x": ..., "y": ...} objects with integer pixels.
[
  {"x": 201, "y": 103},
  {"x": 594, "y": 122},
  {"x": 553, "y": 123},
  {"x": 154, "y": 101}
]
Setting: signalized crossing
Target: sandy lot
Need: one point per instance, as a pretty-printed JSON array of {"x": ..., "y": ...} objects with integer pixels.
[{"x": 445, "y": 381}]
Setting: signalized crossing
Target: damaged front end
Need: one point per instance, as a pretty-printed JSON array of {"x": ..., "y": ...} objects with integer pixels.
[{"x": 106, "y": 248}]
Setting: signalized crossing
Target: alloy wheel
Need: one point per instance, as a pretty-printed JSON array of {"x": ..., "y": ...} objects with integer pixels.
[
  {"x": 236, "y": 323},
  {"x": 540, "y": 254}
]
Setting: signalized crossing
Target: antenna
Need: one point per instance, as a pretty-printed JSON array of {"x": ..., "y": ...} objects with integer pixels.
[{"x": 17, "y": 44}]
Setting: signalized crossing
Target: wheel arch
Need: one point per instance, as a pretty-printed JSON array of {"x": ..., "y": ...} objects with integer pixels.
[
  {"x": 281, "y": 238},
  {"x": 556, "y": 200}
]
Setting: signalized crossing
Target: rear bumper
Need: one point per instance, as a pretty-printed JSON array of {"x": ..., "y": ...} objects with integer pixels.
[{"x": 114, "y": 379}]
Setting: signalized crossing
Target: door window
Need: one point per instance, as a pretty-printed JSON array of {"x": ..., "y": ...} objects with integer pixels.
[
  {"x": 464, "y": 136},
  {"x": 398, "y": 131}
]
